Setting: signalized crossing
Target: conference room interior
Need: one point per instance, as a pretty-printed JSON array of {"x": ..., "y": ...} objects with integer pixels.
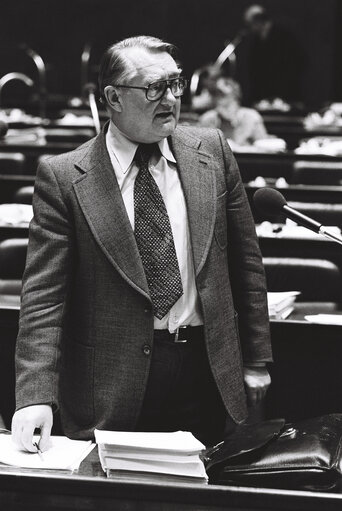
[{"x": 49, "y": 104}]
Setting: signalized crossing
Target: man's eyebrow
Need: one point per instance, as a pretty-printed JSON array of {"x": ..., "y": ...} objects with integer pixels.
[{"x": 175, "y": 74}]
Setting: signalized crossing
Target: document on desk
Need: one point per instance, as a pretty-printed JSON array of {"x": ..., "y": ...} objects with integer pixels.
[
  {"x": 151, "y": 455},
  {"x": 64, "y": 454},
  {"x": 176, "y": 443},
  {"x": 325, "y": 319}
]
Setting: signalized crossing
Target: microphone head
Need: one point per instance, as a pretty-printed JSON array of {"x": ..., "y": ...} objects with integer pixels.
[
  {"x": 3, "y": 128},
  {"x": 269, "y": 201}
]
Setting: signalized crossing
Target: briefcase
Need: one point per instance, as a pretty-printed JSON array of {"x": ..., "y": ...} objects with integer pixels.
[{"x": 302, "y": 455}]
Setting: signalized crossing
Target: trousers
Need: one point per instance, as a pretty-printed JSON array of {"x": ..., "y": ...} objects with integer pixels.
[{"x": 181, "y": 393}]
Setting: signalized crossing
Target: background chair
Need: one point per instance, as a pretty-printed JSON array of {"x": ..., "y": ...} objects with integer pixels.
[
  {"x": 12, "y": 163},
  {"x": 316, "y": 173},
  {"x": 12, "y": 264},
  {"x": 23, "y": 195},
  {"x": 317, "y": 279}
]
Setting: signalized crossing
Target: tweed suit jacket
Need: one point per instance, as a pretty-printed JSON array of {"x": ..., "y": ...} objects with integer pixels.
[{"x": 86, "y": 314}]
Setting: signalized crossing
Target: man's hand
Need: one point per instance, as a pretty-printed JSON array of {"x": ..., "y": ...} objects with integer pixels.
[
  {"x": 257, "y": 380},
  {"x": 26, "y": 420}
]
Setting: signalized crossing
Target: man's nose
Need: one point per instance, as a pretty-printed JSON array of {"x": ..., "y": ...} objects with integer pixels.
[{"x": 168, "y": 97}]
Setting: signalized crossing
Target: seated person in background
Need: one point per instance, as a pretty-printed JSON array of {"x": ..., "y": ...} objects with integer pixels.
[{"x": 239, "y": 124}]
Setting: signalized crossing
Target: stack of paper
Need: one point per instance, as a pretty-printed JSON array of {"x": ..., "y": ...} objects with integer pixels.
[
  {"x": 63, "y": 455},
  {"x": 151, "y": 456},
  {"x": 325, "y": 319},
  {"x": 281, "y": 304}
]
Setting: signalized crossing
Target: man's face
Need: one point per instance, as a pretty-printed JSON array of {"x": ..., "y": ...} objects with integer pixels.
[{"x": 139, "y": 119}]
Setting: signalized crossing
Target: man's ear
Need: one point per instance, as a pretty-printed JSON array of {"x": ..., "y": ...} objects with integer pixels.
[{"x": 113, "y": 97}]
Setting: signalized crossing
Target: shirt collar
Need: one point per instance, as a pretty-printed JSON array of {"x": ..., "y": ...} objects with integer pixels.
[
  {"x": 166, "y": 151},
  {"x": 124, "y": 149}
]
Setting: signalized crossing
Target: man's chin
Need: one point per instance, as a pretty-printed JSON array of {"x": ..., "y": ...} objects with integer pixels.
[{"x": 167, "y": 126}]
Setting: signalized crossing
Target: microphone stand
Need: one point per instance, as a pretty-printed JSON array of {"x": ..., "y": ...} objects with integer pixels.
[
  {"x": 89, "y": 89},
  {"x": 331, "y": 236},
  {"x": 227, "y": 53},
  {"x": 311, "y": 224}
]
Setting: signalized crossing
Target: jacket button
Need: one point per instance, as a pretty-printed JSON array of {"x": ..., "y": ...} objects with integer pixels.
[
  {"x": 147, "y": 310},
  {"x": 147, "y": 350}
]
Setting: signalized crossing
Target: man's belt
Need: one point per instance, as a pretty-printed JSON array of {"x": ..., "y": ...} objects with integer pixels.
[{"x": 183, "y": 334}]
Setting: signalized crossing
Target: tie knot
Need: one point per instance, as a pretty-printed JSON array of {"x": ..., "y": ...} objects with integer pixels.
[{"x": 144, "y": 153}]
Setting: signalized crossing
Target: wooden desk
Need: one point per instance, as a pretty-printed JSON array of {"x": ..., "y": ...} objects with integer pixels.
[
  {"x": 89, "y": 490},
  {"x": 306, "y": 374},
  {"x": 13, "y": 231},
  {"x": 284, "y": 244},
  {"x": 9, "y": 317},
  {"x": 10, "y": 183},
  {"x": 33, "y": 150},
  {"x": 296, "y": 392},
  {"x": 303, "y": 193},
  {"x": 292, "y": 129},
  {"x": 274, "y": 165}
]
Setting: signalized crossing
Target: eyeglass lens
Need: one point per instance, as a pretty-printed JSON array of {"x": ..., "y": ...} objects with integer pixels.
[{"x": 156, "y": 90}]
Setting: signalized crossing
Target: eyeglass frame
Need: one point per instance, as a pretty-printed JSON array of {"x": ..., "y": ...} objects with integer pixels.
[{"x": 167, "y": 82}]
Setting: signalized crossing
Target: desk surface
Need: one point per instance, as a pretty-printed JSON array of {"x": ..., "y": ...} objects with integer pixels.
[{"x": 91, "y": 490}]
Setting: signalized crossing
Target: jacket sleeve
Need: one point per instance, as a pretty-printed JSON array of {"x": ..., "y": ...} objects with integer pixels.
[
  {"x": 245, "y": 267},
  {"x": 43, "y": 301}
]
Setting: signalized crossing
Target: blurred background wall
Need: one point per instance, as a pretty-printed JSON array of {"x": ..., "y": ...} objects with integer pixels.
[{"x": 59, "y": 29}]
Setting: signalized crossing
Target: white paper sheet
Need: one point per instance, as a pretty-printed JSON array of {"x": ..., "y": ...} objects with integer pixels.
[
  {"x": 179, "y": 441},
  {"x": 64, "y": 454},
  {"x": 325, "y": 319}
]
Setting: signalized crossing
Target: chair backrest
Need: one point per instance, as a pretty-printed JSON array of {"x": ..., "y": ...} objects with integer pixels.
[
  {"x": 13, "y": 258},
  {"x": 316, "y": 173},
  {"x": 23, "y": 195},
  {"x": 12, "y": 163},
  {"x": 317, "y": 279}
]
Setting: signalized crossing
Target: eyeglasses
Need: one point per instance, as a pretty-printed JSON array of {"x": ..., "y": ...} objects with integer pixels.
[{"x": 156, "y": 90}]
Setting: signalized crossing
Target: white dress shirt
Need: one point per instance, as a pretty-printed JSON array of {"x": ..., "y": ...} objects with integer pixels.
[{"x": 186, "y": 311}]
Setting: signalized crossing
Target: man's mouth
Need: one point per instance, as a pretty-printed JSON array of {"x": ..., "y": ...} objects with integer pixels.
[{"x": 164, "y": 115}]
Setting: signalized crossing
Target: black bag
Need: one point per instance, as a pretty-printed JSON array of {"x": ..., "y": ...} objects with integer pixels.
[{"x": 302, "y": 455}]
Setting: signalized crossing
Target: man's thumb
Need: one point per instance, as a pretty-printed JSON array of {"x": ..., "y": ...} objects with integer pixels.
[{"x": 45, "y": 432}]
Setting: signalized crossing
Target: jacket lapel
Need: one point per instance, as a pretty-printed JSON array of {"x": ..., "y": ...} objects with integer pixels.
[
  {"x": 196, "y": 170},
  {"x": 100, "y": 199}
]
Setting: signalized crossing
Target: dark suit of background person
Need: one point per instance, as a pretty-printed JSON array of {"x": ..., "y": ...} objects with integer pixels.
[
  {"x": 275, "y": 59},
  {"x": 86, "y": 335}
]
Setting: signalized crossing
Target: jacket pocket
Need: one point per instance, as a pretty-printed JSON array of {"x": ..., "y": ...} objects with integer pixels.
[
  {"x": 79, "y": 389},
  {"x": 221, "y": 221}
]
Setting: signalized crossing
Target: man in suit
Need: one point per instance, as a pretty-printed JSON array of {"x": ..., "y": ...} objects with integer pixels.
[{"x": 143, "y": 269}]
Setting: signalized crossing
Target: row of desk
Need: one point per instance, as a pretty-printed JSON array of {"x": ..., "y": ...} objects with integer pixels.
[
  {"x": 306, "y": 382},
  {"x": 89, "y": 490},
  {"x": 305, "y": 376},
  {"x": 306, "y": 373},
  {"x": 252, "y": 162}
]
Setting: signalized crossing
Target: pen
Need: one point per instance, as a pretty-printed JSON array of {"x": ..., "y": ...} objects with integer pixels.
[{"x": 40, "y": 454}]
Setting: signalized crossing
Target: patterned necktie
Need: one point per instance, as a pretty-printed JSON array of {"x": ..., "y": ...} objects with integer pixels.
[{"x": 154, "y": 238}]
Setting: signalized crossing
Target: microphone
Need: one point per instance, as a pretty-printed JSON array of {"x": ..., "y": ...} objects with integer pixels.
[
  {"x": 272, "y": 202},
  {"x": 90, "y": 89},
  {"x": 3, "y": 128}
]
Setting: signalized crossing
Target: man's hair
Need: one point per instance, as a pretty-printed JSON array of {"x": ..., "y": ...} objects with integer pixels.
[
  {"x": 256, "y": 14},
  {"x": 226, "y": 86},
  {"x": 114, "y": 65}
]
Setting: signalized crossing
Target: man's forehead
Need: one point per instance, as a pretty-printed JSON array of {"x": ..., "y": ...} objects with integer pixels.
[{"x": 143, "y": 62}]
